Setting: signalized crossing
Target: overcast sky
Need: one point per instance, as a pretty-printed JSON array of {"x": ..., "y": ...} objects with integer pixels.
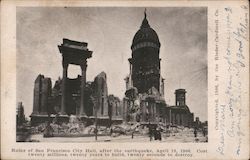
[{"x": 109, "y": 33}]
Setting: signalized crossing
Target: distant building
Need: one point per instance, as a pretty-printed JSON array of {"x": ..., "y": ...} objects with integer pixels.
[
  {"x": 197, "y": 122},
  {"x": 115, "y": 109},
  {"x": 180, "y": 113},
  {"x": 20, "y": 117}
]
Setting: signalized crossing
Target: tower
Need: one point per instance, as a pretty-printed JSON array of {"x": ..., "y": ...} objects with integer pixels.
[
  {"x": 145, "y": 61},
  {"x": 100, "y": 90},
  {"x": 180, "y": 98},
  {"x": 20, "y": 117},
  {"x": 42, "y": 92},
  {"x": 41, "y": 100},
  {"x": 75, "y": 53}
]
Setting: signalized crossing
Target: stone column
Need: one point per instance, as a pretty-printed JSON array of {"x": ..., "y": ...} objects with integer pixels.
[
  {"x": 64, "y": 79},
  {"x": 173, "y": 118},
  {"x": 170, "y": 116},
  {"x": 155, "y": 115},
  {"x": 36, "y": 101},
  {"x": 44, "y": 98},
  {"x": 182, "y": 120},
  {"x": 130, "y": 74},
  {"x": 151, "y": 112},
  {"x": 83, "y": 84},
  {"x": 127, "y": 110},
  {"x": 143, "y": 106}
]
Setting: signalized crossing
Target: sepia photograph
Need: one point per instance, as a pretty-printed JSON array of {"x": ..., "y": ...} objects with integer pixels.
[
  {"x": 111, "y": 74},
  {"x": 124, "y": 80}
]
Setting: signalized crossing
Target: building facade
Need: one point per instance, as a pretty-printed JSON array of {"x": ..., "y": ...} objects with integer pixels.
[
  {"x": 144, "y": 97},
  {"x": 145, "y": 61},
  {"x": 179, "y": 115}
]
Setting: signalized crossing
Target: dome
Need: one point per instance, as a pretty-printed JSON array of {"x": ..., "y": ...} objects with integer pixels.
[
  {"x": 185, "y": 107},
  {"x": 146, "y": 34}
]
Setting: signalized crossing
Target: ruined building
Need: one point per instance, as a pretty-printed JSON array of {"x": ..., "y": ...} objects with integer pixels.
[
  {"x": 144, "y": 98},
  {"x": 144, "y": 85},
  {"x": 86, "y": 100},
  {"x": 20, "y": 117},
  {"x": 179, "y": 115},
  {"x": 115, "y": 109}
]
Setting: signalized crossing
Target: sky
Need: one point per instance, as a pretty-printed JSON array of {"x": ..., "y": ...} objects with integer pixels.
[{"x": 109, "y": 32}]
